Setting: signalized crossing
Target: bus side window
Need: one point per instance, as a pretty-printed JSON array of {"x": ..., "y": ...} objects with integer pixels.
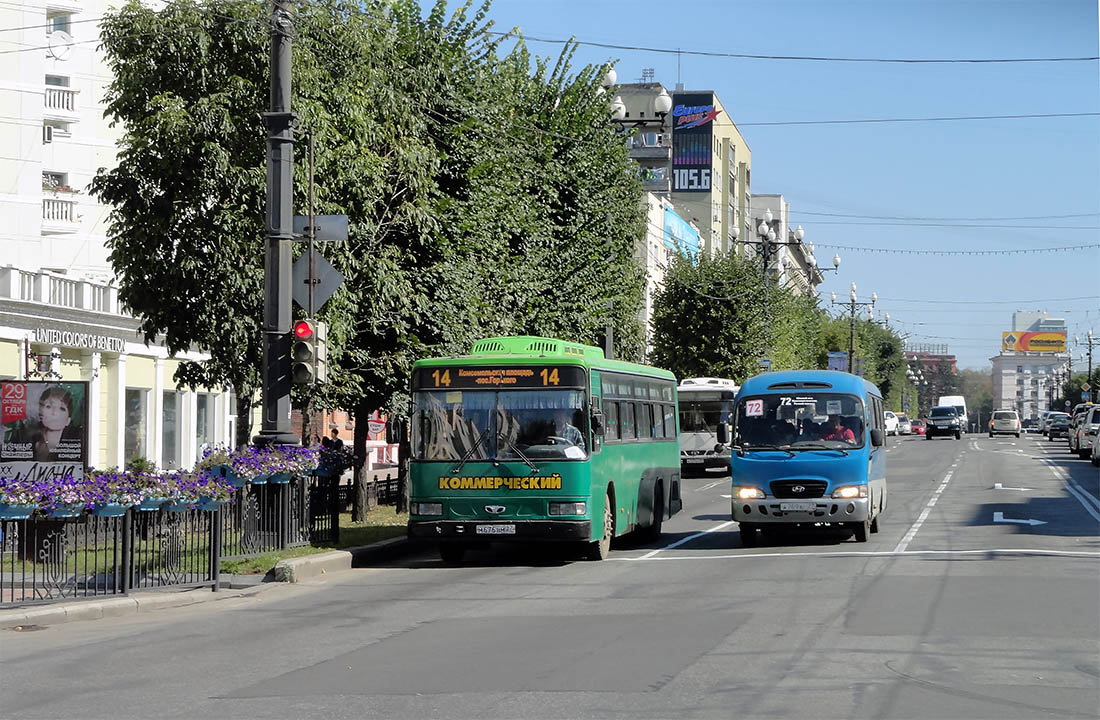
[
  {"x": 626, "y": 419},
  {"x": 670, "y": 421},
  {"x": 610, "y": 420},
  {"x": 658, "y": 422},
  {"x": 645, "y": 420}
]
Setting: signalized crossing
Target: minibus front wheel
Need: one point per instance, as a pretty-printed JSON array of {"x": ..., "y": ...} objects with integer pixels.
[
  {"x": 860, "y": 529},
  {"x": 748, "y": 534}
]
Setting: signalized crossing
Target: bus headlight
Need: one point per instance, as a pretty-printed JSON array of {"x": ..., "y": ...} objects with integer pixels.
[
  {"x": 850, "y": 491},
  {"x": 568, "y": 508},
  {"x": 749, "y": 493},
  {"x": 427, "y": 508}
]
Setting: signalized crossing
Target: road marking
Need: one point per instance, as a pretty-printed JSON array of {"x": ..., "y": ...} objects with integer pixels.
[
  {"x": 1088, "y": 501},
  {"x": 873, "y": 553},
  {"x": 999, "y": 517},
  {"x": 923, "y": 516},
  {"x": 716, "y": 483},
  {"x": 998, "y": 486},
  {"x": 689, "y": 538}
]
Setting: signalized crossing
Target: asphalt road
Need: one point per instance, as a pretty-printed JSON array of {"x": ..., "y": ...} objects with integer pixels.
[{"x": 979, "y": 598}]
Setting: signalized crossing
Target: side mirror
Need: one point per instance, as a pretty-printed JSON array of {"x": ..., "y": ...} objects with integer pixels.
[
  {"x": 597, "y": 424},
  {"x": 723, "y": 433},
  {"x": 876, "y": 437}
]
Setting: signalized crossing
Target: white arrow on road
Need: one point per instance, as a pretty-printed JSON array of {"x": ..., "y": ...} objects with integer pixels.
[
  {"x": 1000, "y": 517},
  {"x": 998, "y": 486}
]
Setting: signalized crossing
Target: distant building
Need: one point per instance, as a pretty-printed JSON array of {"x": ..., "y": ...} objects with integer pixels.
[
  {"x": 792, "y": 263},
  {"x": 1027, "y": 380},
  {"x": 667, "y": 234}
]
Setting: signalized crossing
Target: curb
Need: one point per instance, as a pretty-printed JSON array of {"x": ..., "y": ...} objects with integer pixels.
[
  {"x": 297, "y": 569},
  {"x": 115, "y": 607}
]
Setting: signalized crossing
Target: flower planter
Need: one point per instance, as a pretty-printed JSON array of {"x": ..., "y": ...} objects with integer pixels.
[
  {"x": 259, "y": 480},
  {"x": 280, "y": 478},
  {"x": 177, "y": 506},
  {"x": 69, "y": 510},
  {"x": 153, "y": 503},
  {"x": 225, "y": 472},
  {"x": 110, "y": 509},
  {"x": 10, "y": 511},
  {"x": 210, "y": 504}
]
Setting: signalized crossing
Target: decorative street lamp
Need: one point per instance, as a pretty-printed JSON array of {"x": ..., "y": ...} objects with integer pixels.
[
  {"x": 852, "y": 306},
  {"x": 1090, "y": 342}
]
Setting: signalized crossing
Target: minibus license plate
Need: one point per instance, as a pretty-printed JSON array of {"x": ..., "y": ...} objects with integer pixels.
[
  {"x": 695, "y": 460},
  {"x": 495, "y": 530},
  {"x": 796, "y": 506}
]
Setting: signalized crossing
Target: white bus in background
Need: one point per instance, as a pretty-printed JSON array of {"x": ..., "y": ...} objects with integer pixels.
[
  {"x": 703, "y": 403},
  {"x": 959, "y": 403}
]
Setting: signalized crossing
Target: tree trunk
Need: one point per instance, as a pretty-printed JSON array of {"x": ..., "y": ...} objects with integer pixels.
[
  {"x": 362, "y": 415},
  {"x": 403, "y": 448}
]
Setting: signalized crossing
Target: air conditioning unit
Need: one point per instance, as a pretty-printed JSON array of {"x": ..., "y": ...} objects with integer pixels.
[{"x": 47, "y": 134}]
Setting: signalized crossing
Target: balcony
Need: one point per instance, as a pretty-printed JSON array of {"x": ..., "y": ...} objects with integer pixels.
[
  {"x": 59, "y": 216},
  {"x": 58, "y": 291},
  {"x": 651, "y": 146},
  {"x": 60, "y": 104}
]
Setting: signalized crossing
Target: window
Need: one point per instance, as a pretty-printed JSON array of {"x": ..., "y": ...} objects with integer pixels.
[
  {"x": 670, "y": 420},
  {"x": 59, "y": 22},
  {"x": 645, "y": 421},
  {"x": 626, "y": 421},
  {"x": 57, "y": 81},
  {"x": 136, "y": 423},
  {"x": 55, "y": 180},
  {"x": 658, "y": 422},
  {"x": 611, "y": 420},
  {"x": 204, "y": 423},
  {"x": 170, "y": 430}
]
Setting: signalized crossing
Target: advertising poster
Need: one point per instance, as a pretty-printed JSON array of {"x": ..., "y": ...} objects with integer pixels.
[
  {"x": 680, "y": 237},
  {"x": 1032, "y": 341},
  {"x": 45, "y": 428},
  {"x": 693, "y": 117}
]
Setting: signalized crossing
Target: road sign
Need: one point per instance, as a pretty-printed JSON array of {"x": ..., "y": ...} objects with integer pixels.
[
  {"x": 1086, "y": 386},
  {"x": 326, "y": 280},
  {"x": 329, "y": 228},
  {"x": 765, "y": 364},
  {"x": 1085, "y": 396},
  {"x": 1067, "y": 404}
]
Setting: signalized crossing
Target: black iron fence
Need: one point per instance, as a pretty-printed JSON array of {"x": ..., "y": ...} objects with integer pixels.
[{"x": 44, "y": 559}]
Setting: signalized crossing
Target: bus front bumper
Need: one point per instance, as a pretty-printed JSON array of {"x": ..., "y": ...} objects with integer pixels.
[
  {"x": 789, "y": 512},
  {"x": 502, "y": 530}
]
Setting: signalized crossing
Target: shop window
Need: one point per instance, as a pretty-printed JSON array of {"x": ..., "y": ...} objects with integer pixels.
[
  {"x": 170, "y": 432},
  {"x": 204, "y": 423},
  {"x": 135, "y": 428}
]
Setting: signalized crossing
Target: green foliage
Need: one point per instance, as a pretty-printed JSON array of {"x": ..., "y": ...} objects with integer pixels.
[{"x": 486, "y": 194}]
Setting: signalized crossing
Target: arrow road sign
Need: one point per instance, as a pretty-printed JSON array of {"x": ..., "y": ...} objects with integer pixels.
[
  {"x": 998, "y": 486},
  {"x": 999, "y": 517},
  {"x": 326, "y": 280},
  {"x": 328, "y": 228}
]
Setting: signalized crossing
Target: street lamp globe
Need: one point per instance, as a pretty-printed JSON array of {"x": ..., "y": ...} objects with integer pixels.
[
  {"x": 609, "y": 79},
  {"x": 663, "y": 103},
  {"x": 771, "y": 235},
  {"x": 832, "y": 297},
  {"x": 762, "y": 228},
  {"x": 874, "y": 298},
  {"x": 836, "y": 261},
  {"x": 618, "y": 109},
  {"x": 799, "y": 233},
  {"x": 768, "y": 215},
  {"x": 852, "y": 296},
  {"x": 735, "y": 231}
]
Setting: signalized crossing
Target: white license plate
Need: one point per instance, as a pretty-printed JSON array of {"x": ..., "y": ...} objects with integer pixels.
[
  {"x": 796, "y": 506},
  {"x": 495, "y": 530},
  {"x": 695, "y": 460}
]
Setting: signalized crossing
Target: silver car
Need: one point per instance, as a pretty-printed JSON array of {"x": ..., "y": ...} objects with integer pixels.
[{"x": 1004, "y": 422}]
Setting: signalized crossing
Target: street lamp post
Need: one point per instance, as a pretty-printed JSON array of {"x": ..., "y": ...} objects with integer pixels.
[
  {"x": 852, "y": 306},
  {"x": 1090, "y": 342}
]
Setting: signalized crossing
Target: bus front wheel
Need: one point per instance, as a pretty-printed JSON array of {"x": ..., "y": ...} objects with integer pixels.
[
  {"x": 860, "y": 529},
  {"x": 748, "y": 535},
  {"x": 600, "y": 549}
]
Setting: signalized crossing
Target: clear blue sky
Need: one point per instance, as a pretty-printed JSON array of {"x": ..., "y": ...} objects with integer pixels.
[{"x": 965, "y": 169}]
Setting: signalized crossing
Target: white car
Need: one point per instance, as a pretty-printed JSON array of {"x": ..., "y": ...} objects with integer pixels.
[
  {"x": 1005, "y": 422},
  {"x": 1095, "y": 453},
  {"x": 905, "y": 425},
  {"x": 891, "y": 423}
]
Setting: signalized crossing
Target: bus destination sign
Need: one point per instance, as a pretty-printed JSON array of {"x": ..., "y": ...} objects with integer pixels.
[{"x": 489, "y": 377}]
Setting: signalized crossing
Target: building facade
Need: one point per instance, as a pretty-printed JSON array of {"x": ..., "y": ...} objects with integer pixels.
[
  {"x": 1028, "y": 380},
  {"x": 667, "y": 234},
  {"x": 790, "y": 260}
]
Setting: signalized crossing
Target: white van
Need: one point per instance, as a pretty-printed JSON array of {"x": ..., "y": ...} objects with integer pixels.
[{"x": 959, "y": 403}]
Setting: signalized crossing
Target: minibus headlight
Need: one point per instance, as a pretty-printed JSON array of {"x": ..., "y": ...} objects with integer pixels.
[
  {"x": 850, "y": 491},
  {"x": 749, "y": 493},
  {"x": 568, "y": 508},
  {"x": 427, "y": 508}
]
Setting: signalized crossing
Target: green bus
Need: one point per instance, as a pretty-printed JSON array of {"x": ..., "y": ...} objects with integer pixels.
[{"x": 535, "y": 439}]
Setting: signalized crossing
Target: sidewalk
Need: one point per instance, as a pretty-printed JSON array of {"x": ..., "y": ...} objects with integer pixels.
[{"x": 230, "y": 586}]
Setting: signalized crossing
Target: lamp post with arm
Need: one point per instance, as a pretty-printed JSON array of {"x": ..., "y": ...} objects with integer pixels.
[
  {"x": 1090, "y": 342},
  {"x": 853, "y": 305}
]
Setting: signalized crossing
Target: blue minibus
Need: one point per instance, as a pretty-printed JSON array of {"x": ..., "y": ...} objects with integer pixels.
[{"x": 808, "y": 448}]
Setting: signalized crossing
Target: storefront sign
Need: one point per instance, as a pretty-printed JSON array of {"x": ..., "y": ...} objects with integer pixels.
[
  {"x": 84, "y": 341},
  {"x": 1034, "y": 341},
  {"x": 45, "y": 428}
]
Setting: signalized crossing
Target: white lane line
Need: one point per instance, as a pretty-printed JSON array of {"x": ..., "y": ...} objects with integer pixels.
[
  {"x": 875, "y": 553},
  {"x": 689, "y": 538},
  {"x": 716, "y": 483},
  {"x": 1087, "y": 500},
  {"x": 908, "y": 538}
]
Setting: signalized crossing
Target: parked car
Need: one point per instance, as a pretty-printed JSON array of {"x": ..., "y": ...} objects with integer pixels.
[
  {"x": 1005, "y": 422},
  {"x": 918, "y": 426},
  {"x": 1044, "y": 417},
  {"x": 1058, "y": 426},
  {"x": 1083, "y": 431},
  {"x": 1094, "y": 454},
  {"x": 943, "y": 420},
  {"x": 905, "y": 426},
  {"x": 891, "y": 423},
  {"x": 1048, "y": 418},
  {"x": 1076, "y": 417}
]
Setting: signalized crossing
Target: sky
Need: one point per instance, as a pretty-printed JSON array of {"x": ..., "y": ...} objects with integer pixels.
[{"x": 976, "y": 177}]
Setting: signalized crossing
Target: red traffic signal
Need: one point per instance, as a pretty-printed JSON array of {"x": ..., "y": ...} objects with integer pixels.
[{"x": 303, "y": 329}]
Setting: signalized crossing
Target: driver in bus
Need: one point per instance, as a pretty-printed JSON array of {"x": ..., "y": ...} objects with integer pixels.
[
  {"x": 836, "y": 431},
  {"x": 566, "y": 430}
]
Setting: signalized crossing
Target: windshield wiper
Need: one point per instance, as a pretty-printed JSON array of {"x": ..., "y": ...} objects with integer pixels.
[
  {"x": 755, "y": 446},
  {"x": 470, "y": 453},
  {"x": 820, "y": 446},
  {"x": 515, "y": 448}
]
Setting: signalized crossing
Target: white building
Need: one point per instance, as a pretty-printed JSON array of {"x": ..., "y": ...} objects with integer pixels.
[
  {"x": 1026, "y": 381},
  {"x": 59, "y": 311},
  {"x": 666, "y": 234},
  {"x": 793, "y": 262}
]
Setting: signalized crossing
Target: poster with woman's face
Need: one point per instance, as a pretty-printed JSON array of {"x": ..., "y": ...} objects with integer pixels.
[{"x": 45, "y": 428}]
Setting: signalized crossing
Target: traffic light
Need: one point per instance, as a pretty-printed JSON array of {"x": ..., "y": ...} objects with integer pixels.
[{"x": 308, "y": 352}]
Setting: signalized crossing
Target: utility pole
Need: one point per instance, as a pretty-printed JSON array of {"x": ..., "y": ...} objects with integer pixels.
[{"x": 275, "y": 374}]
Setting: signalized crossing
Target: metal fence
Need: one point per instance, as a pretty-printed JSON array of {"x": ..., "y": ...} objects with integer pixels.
[{"x": 44, "y": 559}]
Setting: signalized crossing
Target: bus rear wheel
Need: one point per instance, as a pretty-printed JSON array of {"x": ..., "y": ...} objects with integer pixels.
[
  {"x": 653, "y": 532},
  {"x": 600, "y": 549}
]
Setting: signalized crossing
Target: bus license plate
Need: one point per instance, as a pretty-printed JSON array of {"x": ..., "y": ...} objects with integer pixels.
[
  {"x": 495, "y": 530},
  {"x": 695, "y": 460},
  {"x": 796, "y": 506}
]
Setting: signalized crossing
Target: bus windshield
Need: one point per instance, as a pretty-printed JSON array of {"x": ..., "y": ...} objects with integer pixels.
[
  {"x": 488, "y": 425},
  {"x": 700, "y": 412},
  {"x": 799, "y": 421}
]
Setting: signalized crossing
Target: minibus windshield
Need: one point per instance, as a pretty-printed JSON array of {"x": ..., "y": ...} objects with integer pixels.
[{"x": 799, "y": 421}]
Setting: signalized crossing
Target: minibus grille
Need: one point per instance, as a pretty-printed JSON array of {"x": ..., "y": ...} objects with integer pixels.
[{"x": 798, "y": 488}]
